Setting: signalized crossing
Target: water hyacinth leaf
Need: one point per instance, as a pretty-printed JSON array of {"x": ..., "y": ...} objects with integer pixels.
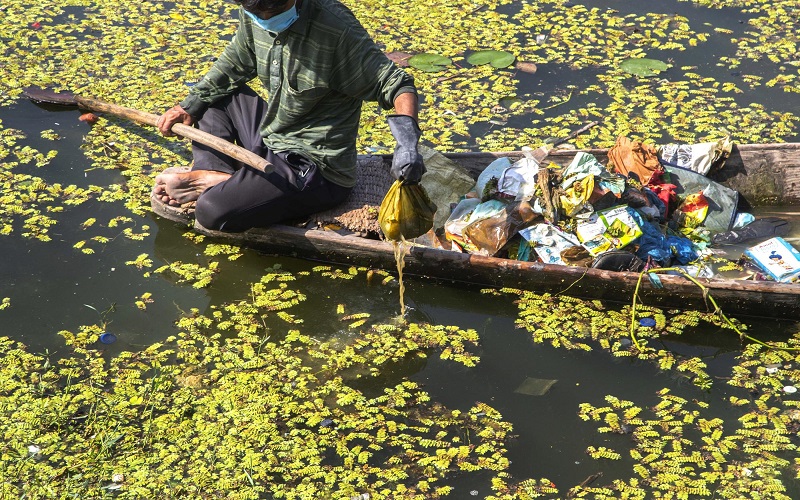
[
  {"x": 497, "y": 58},
  {"x": 429, "y": 62},
  {"x": 642, "y": 66}
]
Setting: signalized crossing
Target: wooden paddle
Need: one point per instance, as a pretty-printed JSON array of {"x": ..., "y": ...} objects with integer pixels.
[{"x": 247, "y": 157}]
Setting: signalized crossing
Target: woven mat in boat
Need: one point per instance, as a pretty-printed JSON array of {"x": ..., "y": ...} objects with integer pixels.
[{"x": 359, "y": 213}]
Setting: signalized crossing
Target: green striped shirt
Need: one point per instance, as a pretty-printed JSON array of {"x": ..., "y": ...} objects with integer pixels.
[{"x": 317, "y": 73}]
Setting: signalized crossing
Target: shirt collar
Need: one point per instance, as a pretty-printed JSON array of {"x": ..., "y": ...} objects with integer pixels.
[{"x": 299, "y": 26}]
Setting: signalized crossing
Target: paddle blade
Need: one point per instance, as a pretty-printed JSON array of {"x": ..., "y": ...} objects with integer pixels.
[{"x": 49, "y": 96}]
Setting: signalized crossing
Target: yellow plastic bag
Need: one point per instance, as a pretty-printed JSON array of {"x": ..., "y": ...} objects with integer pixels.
[
  {"x": 576, "y": 197},
  {"x": 406, "y": 211}
]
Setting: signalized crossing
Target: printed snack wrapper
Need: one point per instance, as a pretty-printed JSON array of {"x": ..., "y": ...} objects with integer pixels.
[
  {"x": 550, "y": 241},
  {"x": 777, "y": 258},
  {"x": 607, "y": 229},
  {"x": 597, "y": 245}
]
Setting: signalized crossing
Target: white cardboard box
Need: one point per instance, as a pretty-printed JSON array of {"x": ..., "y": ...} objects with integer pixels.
[{"x": 777, "y": 258}]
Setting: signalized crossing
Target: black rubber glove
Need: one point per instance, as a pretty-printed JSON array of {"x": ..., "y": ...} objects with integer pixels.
[{"x": 407, "y": 165}]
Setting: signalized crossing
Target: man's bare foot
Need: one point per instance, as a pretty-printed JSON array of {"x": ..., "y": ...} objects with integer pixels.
[{"x": 178, "y": 188}]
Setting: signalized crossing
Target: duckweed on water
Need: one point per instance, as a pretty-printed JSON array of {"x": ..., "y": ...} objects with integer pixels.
[
  {"x": 679, "y": 448},
  {"x": 230, "y": 407},
  {"x": 247, "y": 407},
  {"x": 259, "y": 411}
]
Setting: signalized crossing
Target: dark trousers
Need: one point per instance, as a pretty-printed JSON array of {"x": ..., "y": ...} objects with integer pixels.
[{"x": 251, "y": 198}]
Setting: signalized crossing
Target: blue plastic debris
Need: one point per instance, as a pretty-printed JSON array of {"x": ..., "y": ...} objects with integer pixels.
[
  {"x": 655, "y": 280},
  {"x": 108, "y": 338},
  {"x": 648, "y": 322}
]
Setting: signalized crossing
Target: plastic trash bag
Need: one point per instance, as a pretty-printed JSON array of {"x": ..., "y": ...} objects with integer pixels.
[
  {"x": 549, "y": 241},
  {"x": 458, "y": 220},
  {"x": 487, "y": 209},
  {"x": 523, "y": 251},
  {"x": 493, "y": 171},
  {"x": 695, "y": 271},
  {"x": 583, "y": 165},
  {"x": 653, "y": 244},
  {"x": 616, "y": 227},
  {"x": 445, "y": 182},
  {"x": 490, "y": 234},
  {"x": 767, "y": 227},
  {"x": 406, "y": 212},
  {"x": 576, "y": 197},
  {"x": 691, "y": 213},
  {"x": 696, "y": 157},
  {"x": 722, "y": 200},
  {"x": 519, "y": 180},
  {"x": 743, "y": 219}
]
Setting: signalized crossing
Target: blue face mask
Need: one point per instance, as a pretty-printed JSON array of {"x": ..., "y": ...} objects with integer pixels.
[{"x": 277, "y": 23}]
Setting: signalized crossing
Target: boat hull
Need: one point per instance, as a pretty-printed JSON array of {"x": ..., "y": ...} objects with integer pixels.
[
  {"x": 734, "y": 297},
  {"x": 763, "y": 174}
]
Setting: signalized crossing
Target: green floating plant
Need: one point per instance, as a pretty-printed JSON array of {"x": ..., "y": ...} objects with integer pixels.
[
  {"x": 642, "y": 66},
  {"x": 680, "y": 451},
  {"x": 271, "y": 411},
  {"x": 429, "y": 62},
  {"x": 265, "y": 411},
  {"x": 199, "y": 276},
  {"x": 497, "y": 58}
]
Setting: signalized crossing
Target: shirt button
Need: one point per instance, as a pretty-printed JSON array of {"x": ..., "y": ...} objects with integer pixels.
[{"x": 274, "y": 63}]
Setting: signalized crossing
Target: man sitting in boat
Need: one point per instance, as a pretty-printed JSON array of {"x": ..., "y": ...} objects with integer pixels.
[{"x": 318, "y": 65}]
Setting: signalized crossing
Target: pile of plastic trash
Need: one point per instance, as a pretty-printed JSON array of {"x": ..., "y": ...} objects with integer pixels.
[{"x": 647, "y": 207}]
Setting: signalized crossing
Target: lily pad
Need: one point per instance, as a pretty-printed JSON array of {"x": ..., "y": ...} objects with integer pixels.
[
  {"x": 643, "y": 66},
  {"x": 429, "y": 62},
  {"x": 497, "y": 58}
]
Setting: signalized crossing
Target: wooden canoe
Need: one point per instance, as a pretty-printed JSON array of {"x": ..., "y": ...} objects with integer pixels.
[{"x": 763, "y": 175}]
